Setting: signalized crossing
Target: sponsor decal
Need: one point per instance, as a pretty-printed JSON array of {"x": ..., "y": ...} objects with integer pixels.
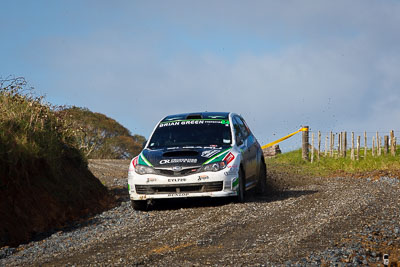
[
  {"x": 169, "y": 124},
  {"x": 192, "y": 122},
  {"x": 218, "y": 157},
  {"x": 172, "y": 148},
  {"x": 231, "y": 172},
  {"x": 170, "y": 161},
  {"x": 176, "y": 180},
  {"x": 135, "y": 161},
  {"x": 233, "y": 169},
  {"x": 178, "y": 195},
  {"x": 203, "y": 178},
  {"x": 210, "y": 153},
  {"x": 233, "y": 166},
  {"x": 151, "y": 179},
  {"x": 228, "y": 158}
]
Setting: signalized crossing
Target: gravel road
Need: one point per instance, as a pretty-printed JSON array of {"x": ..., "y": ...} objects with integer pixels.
[{"x": 336, "y": 221}]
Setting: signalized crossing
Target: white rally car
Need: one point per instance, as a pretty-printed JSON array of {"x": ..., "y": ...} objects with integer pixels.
[{"x": 207, "y": 154}]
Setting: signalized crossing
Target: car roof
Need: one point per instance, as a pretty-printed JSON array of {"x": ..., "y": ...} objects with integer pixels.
[{"x": 197, "y": 115}]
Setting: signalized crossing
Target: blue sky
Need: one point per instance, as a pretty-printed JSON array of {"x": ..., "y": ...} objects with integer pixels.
[{"x": 332, "y": 65}]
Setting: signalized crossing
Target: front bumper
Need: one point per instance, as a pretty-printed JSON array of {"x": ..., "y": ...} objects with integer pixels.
[{"x": 206, "y": 184}]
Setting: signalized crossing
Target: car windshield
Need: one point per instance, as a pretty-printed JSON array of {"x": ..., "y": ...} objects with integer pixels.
[{"x": 196, "y": 132}]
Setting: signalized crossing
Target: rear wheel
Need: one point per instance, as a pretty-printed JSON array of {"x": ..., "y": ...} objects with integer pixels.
[
  {"x": 262, "y": 179},
  {"x": 241, "y": 197},
  {"x": 140, "y": 205}
]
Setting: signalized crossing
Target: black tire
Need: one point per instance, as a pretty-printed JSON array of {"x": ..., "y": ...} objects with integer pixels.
[
  {"x": 241, "y": 197},
  {"x": 140, "y": 205},
  {"x": 262, "y": 179}
]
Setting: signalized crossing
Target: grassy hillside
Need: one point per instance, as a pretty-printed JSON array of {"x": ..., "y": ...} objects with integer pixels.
[{"x": 44, "y": 179}]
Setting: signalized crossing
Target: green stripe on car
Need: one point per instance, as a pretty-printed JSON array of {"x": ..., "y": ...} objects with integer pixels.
[
  {"x": 235, "y": 183},
  {"x": 218, "y": 157},
  {"x": 143, "y": 161}
]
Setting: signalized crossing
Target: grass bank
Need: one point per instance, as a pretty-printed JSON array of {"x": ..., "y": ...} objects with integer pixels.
[
  {"x": 291, "y": 163},
  {"x": 44, "y": 179}
]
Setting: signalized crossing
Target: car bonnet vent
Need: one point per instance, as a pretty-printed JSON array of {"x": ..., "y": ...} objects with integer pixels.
[
  {"x": 194, "y": 116},
  {"x": 181, "y": 153}
]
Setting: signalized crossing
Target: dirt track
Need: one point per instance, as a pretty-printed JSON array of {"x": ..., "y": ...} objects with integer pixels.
[{"x": 318, "y": 221}]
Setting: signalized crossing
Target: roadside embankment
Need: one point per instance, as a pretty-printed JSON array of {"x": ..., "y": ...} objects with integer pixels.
[{"x": 44, "y": 179}]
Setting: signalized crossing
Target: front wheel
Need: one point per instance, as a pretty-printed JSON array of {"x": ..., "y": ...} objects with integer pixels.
[
  {"x": 241, "y": 196},
  {"x": 140, "y": 205},
  {"x": 262, "y": 179}
]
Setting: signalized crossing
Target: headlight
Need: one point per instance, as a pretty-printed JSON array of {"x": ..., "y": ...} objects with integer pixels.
[
  {"x": 213, "y": 167},
  {"x": 142, "y": 169}
]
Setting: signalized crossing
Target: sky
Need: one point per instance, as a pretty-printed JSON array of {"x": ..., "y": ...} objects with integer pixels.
[{"x": 330, "y": 65}]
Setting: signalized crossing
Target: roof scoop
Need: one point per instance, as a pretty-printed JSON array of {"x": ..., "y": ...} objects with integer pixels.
[
  {"x": 181, "y": 153},
  {"x": 194, "y": 116}
]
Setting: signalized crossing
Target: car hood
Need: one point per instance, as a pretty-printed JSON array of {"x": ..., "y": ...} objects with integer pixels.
[{"x": 183, "y": 156}]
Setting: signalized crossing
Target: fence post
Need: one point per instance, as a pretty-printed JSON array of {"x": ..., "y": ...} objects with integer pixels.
[
  {"x": 386, "y": 145},
  {"x": 392, "y": 146},
  {"x": 352, "y": 146},
  {"x": 378, "y": 144},
  {"x": 319, "y": 144},
  {"x": 358, "y": 147},
  {"x": 331, "y": 145},
  {"x": 312, "y": 147},
  {"x": 326, "y": 145},
  {"x": 305, "y": 144},
  {"x": 373, "y": 146},
  {"x": 344, "y": 144},
  {"x": 365, "y": 144},
  {"x": 339, "y": 147}
]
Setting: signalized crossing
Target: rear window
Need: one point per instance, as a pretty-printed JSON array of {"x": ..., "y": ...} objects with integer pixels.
[{"x": 196, "y": 132}]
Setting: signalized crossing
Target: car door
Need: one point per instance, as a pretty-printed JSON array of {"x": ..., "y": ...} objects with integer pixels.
[
  {"x": 251, "y": 150},
  {"x": 242, "y": 137},
  {"x": 241, "y": 143}
]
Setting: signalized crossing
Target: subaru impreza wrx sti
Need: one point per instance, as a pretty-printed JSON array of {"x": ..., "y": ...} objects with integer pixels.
[{"x": 207, "y": 154}]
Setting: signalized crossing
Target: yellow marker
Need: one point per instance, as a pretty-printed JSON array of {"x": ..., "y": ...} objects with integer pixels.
[{"x": 286, "y": 137}]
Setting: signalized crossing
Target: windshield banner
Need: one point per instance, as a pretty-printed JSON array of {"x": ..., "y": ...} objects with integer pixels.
[{"x": 192, "y": 122}]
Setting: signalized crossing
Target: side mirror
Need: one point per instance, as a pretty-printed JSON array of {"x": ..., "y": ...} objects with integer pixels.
[{"x": 239, "y": 141}]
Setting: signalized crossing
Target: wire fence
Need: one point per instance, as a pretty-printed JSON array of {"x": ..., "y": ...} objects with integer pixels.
[{"x": 356, "y": 145}]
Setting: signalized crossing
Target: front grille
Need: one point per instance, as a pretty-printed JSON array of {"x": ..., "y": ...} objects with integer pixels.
[
  {"x": 184, "y": 172},
  {"x": 179, "y": 188}
]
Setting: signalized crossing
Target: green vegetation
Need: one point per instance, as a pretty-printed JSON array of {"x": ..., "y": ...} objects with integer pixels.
[
  {"x": 30, "y": 129},
  {"x": 44, "y": 179},
  {"x": 101, "y": 137},
  {"x": 327, "y": 166}
]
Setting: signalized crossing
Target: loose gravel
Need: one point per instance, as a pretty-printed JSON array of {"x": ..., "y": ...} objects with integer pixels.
[{"x": 331, "y": 222}]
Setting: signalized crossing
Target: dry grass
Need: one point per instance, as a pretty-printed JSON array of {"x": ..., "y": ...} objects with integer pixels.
[
  {"x": 44, "y": 180},
  {"x": 29, "y": 127}
]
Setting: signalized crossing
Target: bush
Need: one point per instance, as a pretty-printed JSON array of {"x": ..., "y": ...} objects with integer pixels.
[{"x": 99, "y": 136}]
